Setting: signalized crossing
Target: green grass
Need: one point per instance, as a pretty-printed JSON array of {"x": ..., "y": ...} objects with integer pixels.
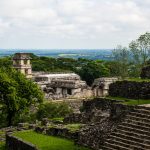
[
  {"x": 73, "y": 127},
  {"x": 130, "y": 101},
  {"x": 137, "y": 80},
  {"x": 2, "y": 146},
  {"x": 44, "y": 142},
  {"x": 137, "y": 102},
  {"x": 57, "y": 119}
]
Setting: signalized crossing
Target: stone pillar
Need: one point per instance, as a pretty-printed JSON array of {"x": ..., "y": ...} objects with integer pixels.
[
  {"x": 28, "y": 62},
  {"x": 95, "y": 92},
  {"x": 73, "y": 91},
  {"x": 29, "y": 71},
  {"x": 21, "y": 62},
  {"x": 64, "y": 92},
  {"x": 59, "y": 92}
]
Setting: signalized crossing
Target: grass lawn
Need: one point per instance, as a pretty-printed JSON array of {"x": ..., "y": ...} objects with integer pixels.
[
  {"x": 44, "y": 142},
  {"x": 57, "y": 119},
  {"x": 138, "y": 80},
  {"x": 130, "y": 101}
]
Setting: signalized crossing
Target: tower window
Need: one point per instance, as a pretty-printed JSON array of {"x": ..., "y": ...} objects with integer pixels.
[
  {"x": 26, "y": 71},
  {"x": 25, "y": 62},
  {"x": 17, "y": 62}
]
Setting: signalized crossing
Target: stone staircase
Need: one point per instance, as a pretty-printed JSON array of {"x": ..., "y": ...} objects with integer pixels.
[{"x": 133, "y": 133}]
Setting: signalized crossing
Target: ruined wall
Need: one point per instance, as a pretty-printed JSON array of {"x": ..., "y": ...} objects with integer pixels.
[
  {"x": 130, "y": 89},
  {"x": 97, "y": 109},
  {"x": 83, "y": 93},
  {"x": 14, "y": 143},
  {"x": 101, "y": 86},
  {"x": 102, "y": 116}
]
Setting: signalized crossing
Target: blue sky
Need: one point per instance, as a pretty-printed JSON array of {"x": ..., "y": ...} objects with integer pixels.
[{"x": 72, "y": 23}]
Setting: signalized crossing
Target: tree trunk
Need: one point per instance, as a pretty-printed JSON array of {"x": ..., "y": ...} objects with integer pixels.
[{"x": 9, "y": 118}]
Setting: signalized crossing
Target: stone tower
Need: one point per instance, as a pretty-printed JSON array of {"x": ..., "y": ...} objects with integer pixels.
[{"x": 21, "y": 62}]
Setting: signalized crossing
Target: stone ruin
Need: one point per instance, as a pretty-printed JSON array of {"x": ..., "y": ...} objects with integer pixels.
[
  {"x": 61, "y": 85},
  {"x": 64, "y": 85},
  {"x": 101, "y": 86},
  {"x": 70, "y": 85}
]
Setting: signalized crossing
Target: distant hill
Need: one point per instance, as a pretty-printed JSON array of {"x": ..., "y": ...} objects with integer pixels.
[{"x": 103, "y": 54}]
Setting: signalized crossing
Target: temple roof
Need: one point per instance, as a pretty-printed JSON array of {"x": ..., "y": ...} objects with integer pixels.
[
  {"x": 60, "y": 76},
  {"x": 19, "y": 56}
]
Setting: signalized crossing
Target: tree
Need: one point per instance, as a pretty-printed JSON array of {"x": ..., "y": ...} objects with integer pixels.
[
  {"x": 17, "y": 93},
  {"x": 121, "y": 56},
  {"x": 93, "y": 70},
  {"x": 140, "y": 49},
  {"x": 113, "y": 67},
  {"x": 5, "y": 62}
]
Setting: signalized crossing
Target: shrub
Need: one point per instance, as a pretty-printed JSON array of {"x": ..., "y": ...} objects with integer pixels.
[{"x": 53, "y": 110}]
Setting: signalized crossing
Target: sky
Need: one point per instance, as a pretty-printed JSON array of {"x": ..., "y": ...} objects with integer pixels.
[{"x": 89, "y": 24}]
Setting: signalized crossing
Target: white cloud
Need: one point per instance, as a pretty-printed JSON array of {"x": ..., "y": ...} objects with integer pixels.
[{"x": 96, "y": 23}]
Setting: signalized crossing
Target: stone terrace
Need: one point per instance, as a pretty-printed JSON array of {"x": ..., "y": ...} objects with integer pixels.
[{"x": 133, "y": 133}]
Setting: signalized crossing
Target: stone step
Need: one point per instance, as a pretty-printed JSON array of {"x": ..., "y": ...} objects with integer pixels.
[
  {"x": 142, "y": 108},
  {"x": 129, "y": 142},
  {"x": 139, "y": 114},
  {"x": 143, "y": 111},
  {"x": 129, "y": 146},
  {"x": 130, "y": 129},
  {"x": 136, "y": 126},
  {"x": 144, "y": 136},
  {"x": 141, "y": 123},
  {"x": 131, "y": 137},
  {"x": 107, "y": 148},
  {"x": 116, "y": 146},
  {"x": 133, "y": 133},
  {"x": 141, "y": 119}
]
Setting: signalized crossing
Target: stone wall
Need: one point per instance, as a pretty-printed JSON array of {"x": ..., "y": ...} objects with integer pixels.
[
  {"x": 14, "y": 143},
  {"x": 130, "y": 89},
  {"x": 101, "y": 116},
  {"x": 84, "y": 93},
  {"x": 77, "y": 118}
]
